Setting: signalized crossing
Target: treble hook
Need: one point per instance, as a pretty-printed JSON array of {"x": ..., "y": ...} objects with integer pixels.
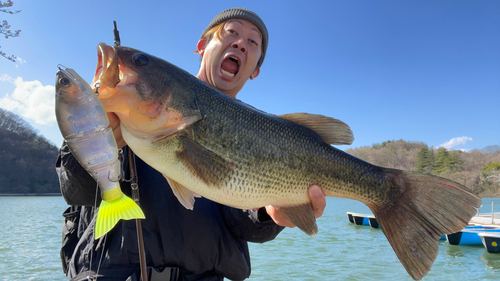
[{"x": 122, "y": 172}]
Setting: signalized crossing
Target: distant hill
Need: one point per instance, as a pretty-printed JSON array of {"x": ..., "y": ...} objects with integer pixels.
[
  {"x": 491, "y": 149},
  {"x": 479, "y": 170},
  {"x": 27, "y": 159}
]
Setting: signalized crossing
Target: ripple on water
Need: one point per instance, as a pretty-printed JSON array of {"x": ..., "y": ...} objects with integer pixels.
[
  {"x": 30, "y": 249},
  {"x": 340, "y": 251}
]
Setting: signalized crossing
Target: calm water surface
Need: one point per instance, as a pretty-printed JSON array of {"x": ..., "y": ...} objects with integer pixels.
[{"x": 30, "y": 237}]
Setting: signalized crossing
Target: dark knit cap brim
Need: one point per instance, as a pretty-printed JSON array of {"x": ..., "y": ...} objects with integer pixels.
[{"x": 245, "y": 14}]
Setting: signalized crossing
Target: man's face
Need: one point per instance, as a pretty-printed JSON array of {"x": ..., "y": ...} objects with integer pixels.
[{"x": 227, "y": 64}]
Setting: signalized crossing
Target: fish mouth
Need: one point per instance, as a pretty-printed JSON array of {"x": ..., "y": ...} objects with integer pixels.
[
  {"x": 109, "y": 73},
  {"x": 114, "y": 83}
]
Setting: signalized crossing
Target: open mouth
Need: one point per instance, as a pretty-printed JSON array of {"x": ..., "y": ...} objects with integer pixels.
[{"x": 230, "y": 66}]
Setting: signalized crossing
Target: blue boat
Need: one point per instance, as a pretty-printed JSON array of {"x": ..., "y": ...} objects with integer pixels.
[
  {"x": 443, "y": 237},
  {"x": 491, "y": 241},
  {"x": 373, "y": 221},
  {"x": 470, "y": 237}
]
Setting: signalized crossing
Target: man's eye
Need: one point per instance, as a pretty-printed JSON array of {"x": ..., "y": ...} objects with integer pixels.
[{"x": 253, "y": 42}]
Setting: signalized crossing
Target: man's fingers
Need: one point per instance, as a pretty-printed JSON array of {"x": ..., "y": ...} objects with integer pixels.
[
  {"x": 114, "y": 124},
  {"x": 318, "y": 203},
  {"x": 278, "y": 217},
  {"x": 114, "y": 121},
  {"x": 318, "y": 200}
]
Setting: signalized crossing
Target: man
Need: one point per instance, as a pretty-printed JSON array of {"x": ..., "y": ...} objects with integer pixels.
[{"x": 207, "y": 243}]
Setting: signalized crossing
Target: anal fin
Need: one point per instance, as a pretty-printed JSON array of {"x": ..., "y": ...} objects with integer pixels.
[{"x": 303, "y": 217}]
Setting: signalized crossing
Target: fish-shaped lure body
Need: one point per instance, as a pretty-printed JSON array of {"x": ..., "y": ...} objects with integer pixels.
[{"x": 84, "y": 126}]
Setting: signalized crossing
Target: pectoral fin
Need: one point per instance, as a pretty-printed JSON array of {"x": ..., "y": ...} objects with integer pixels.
[
  {"x": 184, "y": 195},
  {"x": 208, "y": 166},
  {"x": 331, "y": 130},
  {"x": 303, "y": 217}
]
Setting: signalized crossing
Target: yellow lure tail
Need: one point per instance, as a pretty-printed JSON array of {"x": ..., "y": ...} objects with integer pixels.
[{"x": 110, "y": 212}]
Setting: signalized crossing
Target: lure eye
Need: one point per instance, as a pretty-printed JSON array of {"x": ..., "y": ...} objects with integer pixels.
[
  {"x": 140, "y": 59},
  {"x": 64, "y": 81}
]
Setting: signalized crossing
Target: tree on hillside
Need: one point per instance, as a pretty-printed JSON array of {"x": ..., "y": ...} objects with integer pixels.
[
  {"x": 26, "y": 158},
  {"x": 398, "y": 154},
  {"x": 15, "y": 123},
  {"x": 5, "y": 27},
  {"x": 492, "y": 170},
  {"x": 447, "y": 161},
  {"x": 490, "y": 175},
  {"x": 468, "y": 168},
  {"x": 492, "y": 149},
  {"x": 425, "y": 161}
]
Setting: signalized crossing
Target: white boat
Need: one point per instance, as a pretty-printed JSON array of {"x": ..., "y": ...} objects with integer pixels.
[
  {"x": 491, "y": 241},
  {"x": 363, "y": 219}
]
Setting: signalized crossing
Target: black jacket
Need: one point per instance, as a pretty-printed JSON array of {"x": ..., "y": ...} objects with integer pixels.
[{"x": 209, "y": 241}]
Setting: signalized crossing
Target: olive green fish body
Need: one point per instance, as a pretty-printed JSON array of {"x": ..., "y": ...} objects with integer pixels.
[
  {"x": 208, "y": 144},
  {"x": 273, "y": 160}
]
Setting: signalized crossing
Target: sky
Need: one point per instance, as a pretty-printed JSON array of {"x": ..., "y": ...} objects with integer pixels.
[{"x": 426, "y": 71}]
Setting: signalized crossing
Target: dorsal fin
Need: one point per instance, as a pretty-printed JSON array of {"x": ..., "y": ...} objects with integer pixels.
[{"x": 331, "y": 130}]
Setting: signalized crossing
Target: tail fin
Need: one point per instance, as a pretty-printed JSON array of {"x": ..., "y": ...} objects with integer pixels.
[
  {"x": 110, "y": 212},
  {"x": 426, "y": 208}
]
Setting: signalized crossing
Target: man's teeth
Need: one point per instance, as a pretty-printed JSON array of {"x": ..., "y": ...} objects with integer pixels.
[{"x": 227, "y": 73}]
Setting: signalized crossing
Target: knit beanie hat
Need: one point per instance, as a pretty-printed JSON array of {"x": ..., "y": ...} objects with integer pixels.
[{"x": 245, "y": 14}]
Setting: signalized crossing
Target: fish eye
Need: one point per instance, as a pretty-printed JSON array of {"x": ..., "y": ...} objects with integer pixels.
[
  {"x": 140, "y": 59},
  {"x": 64, "y": 81}
]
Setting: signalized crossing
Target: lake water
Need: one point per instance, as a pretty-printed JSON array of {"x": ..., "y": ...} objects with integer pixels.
[{"x": 30, "y": 237}]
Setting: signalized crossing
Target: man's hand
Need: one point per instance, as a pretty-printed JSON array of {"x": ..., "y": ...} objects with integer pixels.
[
  {"x": 114, "y": 124},
  {"x": 318, "y": 201}
]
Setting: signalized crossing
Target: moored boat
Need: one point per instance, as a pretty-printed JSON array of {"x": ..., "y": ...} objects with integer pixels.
[
  {"x": 373, "y": 221},
  {"x": 363, "y": 219},
  {"x": 491, "y": 241},
  {"x": 443, "y": 237},
  {"x": 470, "y": 236}
]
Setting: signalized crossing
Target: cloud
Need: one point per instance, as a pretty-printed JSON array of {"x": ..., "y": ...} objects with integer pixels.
[
  {"x": 6, "y": 78},
  {"x": 31, "y": 100},
  {"x": 455, "y": 142},
  {"x": 19, "y": 60}
]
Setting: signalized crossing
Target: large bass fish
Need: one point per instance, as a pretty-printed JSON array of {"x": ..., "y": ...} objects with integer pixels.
[{"x": 209, "y": 144}]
